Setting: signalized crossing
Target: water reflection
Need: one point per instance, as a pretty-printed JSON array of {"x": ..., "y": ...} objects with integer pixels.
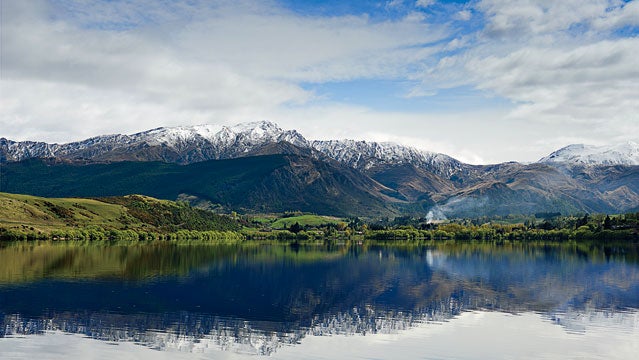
[{"x": 256, "y": 299}]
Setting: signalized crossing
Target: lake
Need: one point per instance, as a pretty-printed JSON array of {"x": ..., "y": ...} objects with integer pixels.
[{"x": 450, "y": 301}]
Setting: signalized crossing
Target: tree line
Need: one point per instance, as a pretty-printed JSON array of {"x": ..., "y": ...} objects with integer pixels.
[{"x": 95, "y": 233}]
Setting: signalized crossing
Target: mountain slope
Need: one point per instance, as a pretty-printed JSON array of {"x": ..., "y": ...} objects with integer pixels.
[
  {"x": 259, "y": 183},
  {"x": 512, "y": 188},
  {"x": 414, "y": 183}
]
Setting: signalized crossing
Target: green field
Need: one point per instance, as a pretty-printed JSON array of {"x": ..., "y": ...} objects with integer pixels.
[{"x": 303, "y": 220}]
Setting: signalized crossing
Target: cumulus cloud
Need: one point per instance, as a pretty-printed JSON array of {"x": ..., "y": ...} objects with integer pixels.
[
  {"x": 560, "y": 63},
  {"x": 586, "y": 77},
  {"x": 525, "y": 18},
  {"x": 76, "y": 68},
  {"x": 582, "y": 83},
  {"x": 141, "y": 64}
]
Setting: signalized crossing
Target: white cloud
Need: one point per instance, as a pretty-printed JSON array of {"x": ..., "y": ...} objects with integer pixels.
[
  {"x": 593, "y": 81},
  {"x": 581, "y": 82},
  {"x": 394, "y": 3},
  {"x": 104, "y": 67},
  {"x": 269, "y": 45},
  {"x": 628, "y": 15},
  {"x": 424, "y": 3},
  {"x": 458, "y": 135},
  {"x": 464, "y": 15},
  {"x": 587, "y": 78},
  {"x": 522, "y": 17},
  {"x": 182, "y": 65}
]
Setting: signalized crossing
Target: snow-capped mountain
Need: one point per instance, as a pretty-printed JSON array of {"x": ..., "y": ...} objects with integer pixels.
[
  {"x": 188, "y": 144},
  {"x": 184, "y": 144},
  {"x": 364, "y": 155},
  {"x": 16, "y": 151},
  {"x": 222, "y": 142},
  {"x": 334, "y": 176},
  {"x": 580, "y": 154}
]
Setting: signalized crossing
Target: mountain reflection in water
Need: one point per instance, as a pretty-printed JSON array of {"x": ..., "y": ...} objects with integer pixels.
[{"x": 255, "y": 299}]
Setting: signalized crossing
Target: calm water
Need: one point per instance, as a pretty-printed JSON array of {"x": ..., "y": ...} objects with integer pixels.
[{"x": 205, "y": 301}]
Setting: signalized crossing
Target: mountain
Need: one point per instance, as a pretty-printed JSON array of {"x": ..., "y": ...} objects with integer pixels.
[
  {"x": 580, "y": 154},
  {"x": 190, "y": 144},
  {"x": 181, "y": 145},
  {"x": 285, "y": 171},
  {"x": 267, "y": 183},
  {"x": 512, "y": 188}
]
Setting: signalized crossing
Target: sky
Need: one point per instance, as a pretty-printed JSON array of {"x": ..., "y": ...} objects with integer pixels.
[{"x": 484, "y": 81}]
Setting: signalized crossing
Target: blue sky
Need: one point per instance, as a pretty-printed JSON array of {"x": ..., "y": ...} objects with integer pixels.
[{"x": 484, "y": 81}]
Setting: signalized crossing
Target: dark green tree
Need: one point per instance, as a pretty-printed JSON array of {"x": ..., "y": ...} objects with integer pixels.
[
  {"x": 581, "y": 222},
  {"x": 607, "y": 224},
  {"x": 295, "y": 228}
]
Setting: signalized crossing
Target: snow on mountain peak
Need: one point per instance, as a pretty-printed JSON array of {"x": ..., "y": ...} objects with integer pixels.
[
  {"x": 259, "y": 133},
  {"x": 204, "y": 142},
  {"x": 621, "y": 154},
  {"x": 365, "y": 155},
  {"x": 247, "y": 134},
  {"x": 175, "y": 136},
  {"x": 257, "y": 128}
]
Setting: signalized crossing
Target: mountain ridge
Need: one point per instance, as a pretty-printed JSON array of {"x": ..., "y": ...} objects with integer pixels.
[
  {"x": 375, "y": 178},
  {"x": 188, "y": 144}
]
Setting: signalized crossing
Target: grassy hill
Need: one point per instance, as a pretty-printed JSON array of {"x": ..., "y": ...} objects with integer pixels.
[
  {"x": 54, "y": 213},
  {"x": 133, "y": 212}
]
